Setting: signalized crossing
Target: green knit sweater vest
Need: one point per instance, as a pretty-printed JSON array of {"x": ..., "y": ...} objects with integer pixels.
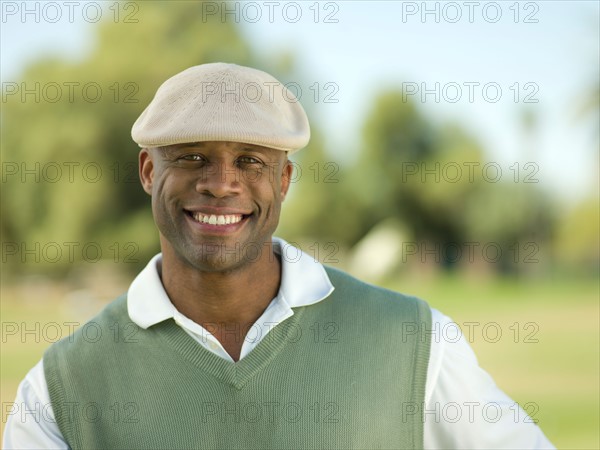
[{"x": 347, "y": 372}]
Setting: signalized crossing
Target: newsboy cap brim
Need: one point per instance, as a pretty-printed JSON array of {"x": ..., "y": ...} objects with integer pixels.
[{"x": 223, "y": 102}]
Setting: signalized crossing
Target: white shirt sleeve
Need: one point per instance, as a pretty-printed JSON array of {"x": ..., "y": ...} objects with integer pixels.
[
  {"x": 463, "y": 406},
  {"x": 31, "y": 422}
]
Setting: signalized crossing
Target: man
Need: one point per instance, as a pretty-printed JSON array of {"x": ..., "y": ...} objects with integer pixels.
[{"x": 225, "y": 341}]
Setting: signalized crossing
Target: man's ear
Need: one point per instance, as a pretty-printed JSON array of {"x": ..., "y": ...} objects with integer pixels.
[
  {"x": 146, "y": 167},
  {"x": 286, "y": 177}
]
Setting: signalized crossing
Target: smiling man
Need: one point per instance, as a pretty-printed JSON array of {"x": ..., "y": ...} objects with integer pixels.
[
  {"x": 223, "y": 341},
  {"x": 217, "y": 206}
]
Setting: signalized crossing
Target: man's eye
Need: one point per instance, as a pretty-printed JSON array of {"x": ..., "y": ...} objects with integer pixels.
[
  {"x": 192, "y": 157},
  {"x": 249, "y": 160}
]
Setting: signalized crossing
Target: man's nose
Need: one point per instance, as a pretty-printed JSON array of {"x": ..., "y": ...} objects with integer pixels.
[{"x": 218, "y": 179}]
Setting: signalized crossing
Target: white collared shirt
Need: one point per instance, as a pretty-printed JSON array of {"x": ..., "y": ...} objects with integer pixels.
[{"x": 463, "y": 406}]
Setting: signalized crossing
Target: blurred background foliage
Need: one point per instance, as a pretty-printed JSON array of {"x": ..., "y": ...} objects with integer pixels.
[
  {"x": 333, "y": 200},
  {"x": 114, "y": 209},
  {"x": 365, "y": 214}
]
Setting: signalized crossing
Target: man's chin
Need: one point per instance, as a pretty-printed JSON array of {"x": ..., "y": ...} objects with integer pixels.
[{"x": 218, "y": 257}]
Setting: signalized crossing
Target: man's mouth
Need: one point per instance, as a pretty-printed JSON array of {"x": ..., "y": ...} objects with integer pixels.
[{"x": 216, "y": 219}]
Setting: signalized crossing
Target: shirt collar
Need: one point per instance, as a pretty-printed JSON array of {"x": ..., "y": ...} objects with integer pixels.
[{"x": 303, "y": 282}]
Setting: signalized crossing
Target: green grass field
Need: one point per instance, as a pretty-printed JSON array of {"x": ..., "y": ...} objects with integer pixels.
[{"x": 548, "y": 352}]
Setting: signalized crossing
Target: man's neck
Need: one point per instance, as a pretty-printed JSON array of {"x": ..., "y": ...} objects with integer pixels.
[{"x": 225, "y": 303}]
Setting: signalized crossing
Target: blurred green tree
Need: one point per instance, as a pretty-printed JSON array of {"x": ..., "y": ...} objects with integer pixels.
[
  {"x": 577, "y": 242},
  {"x": 431, "y": 178},
  {"x": 406, "y": 169},
  {"x": 427, "y": 176},
  {"x": 82, "y": 186}
]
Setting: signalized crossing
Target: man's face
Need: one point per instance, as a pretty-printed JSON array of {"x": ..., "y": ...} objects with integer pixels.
[{"x": 216, "y": 204}]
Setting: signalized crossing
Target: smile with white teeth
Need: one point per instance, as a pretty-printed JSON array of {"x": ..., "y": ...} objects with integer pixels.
[{"x": 213, "y": 219}]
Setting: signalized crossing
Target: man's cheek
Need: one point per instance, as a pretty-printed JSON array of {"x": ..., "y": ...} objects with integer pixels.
[{"x": 162, "y": 187}]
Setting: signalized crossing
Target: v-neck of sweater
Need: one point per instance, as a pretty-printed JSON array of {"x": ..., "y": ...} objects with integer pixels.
[{"x": 236, "y": 374}]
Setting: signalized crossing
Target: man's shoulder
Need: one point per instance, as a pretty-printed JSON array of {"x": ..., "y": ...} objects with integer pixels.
[
  {"x": 98, "y": 329},
  {"x": 113, "y": 312},
  {"x": 347, "y": 283},
  {"x": 352, "y": 292}
]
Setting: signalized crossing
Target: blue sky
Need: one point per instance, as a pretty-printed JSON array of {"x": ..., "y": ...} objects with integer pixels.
[{"x": 384, "y": 43}]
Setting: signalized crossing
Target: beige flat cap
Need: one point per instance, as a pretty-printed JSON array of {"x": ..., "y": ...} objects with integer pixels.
[{"x": 223, "y": 102}]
